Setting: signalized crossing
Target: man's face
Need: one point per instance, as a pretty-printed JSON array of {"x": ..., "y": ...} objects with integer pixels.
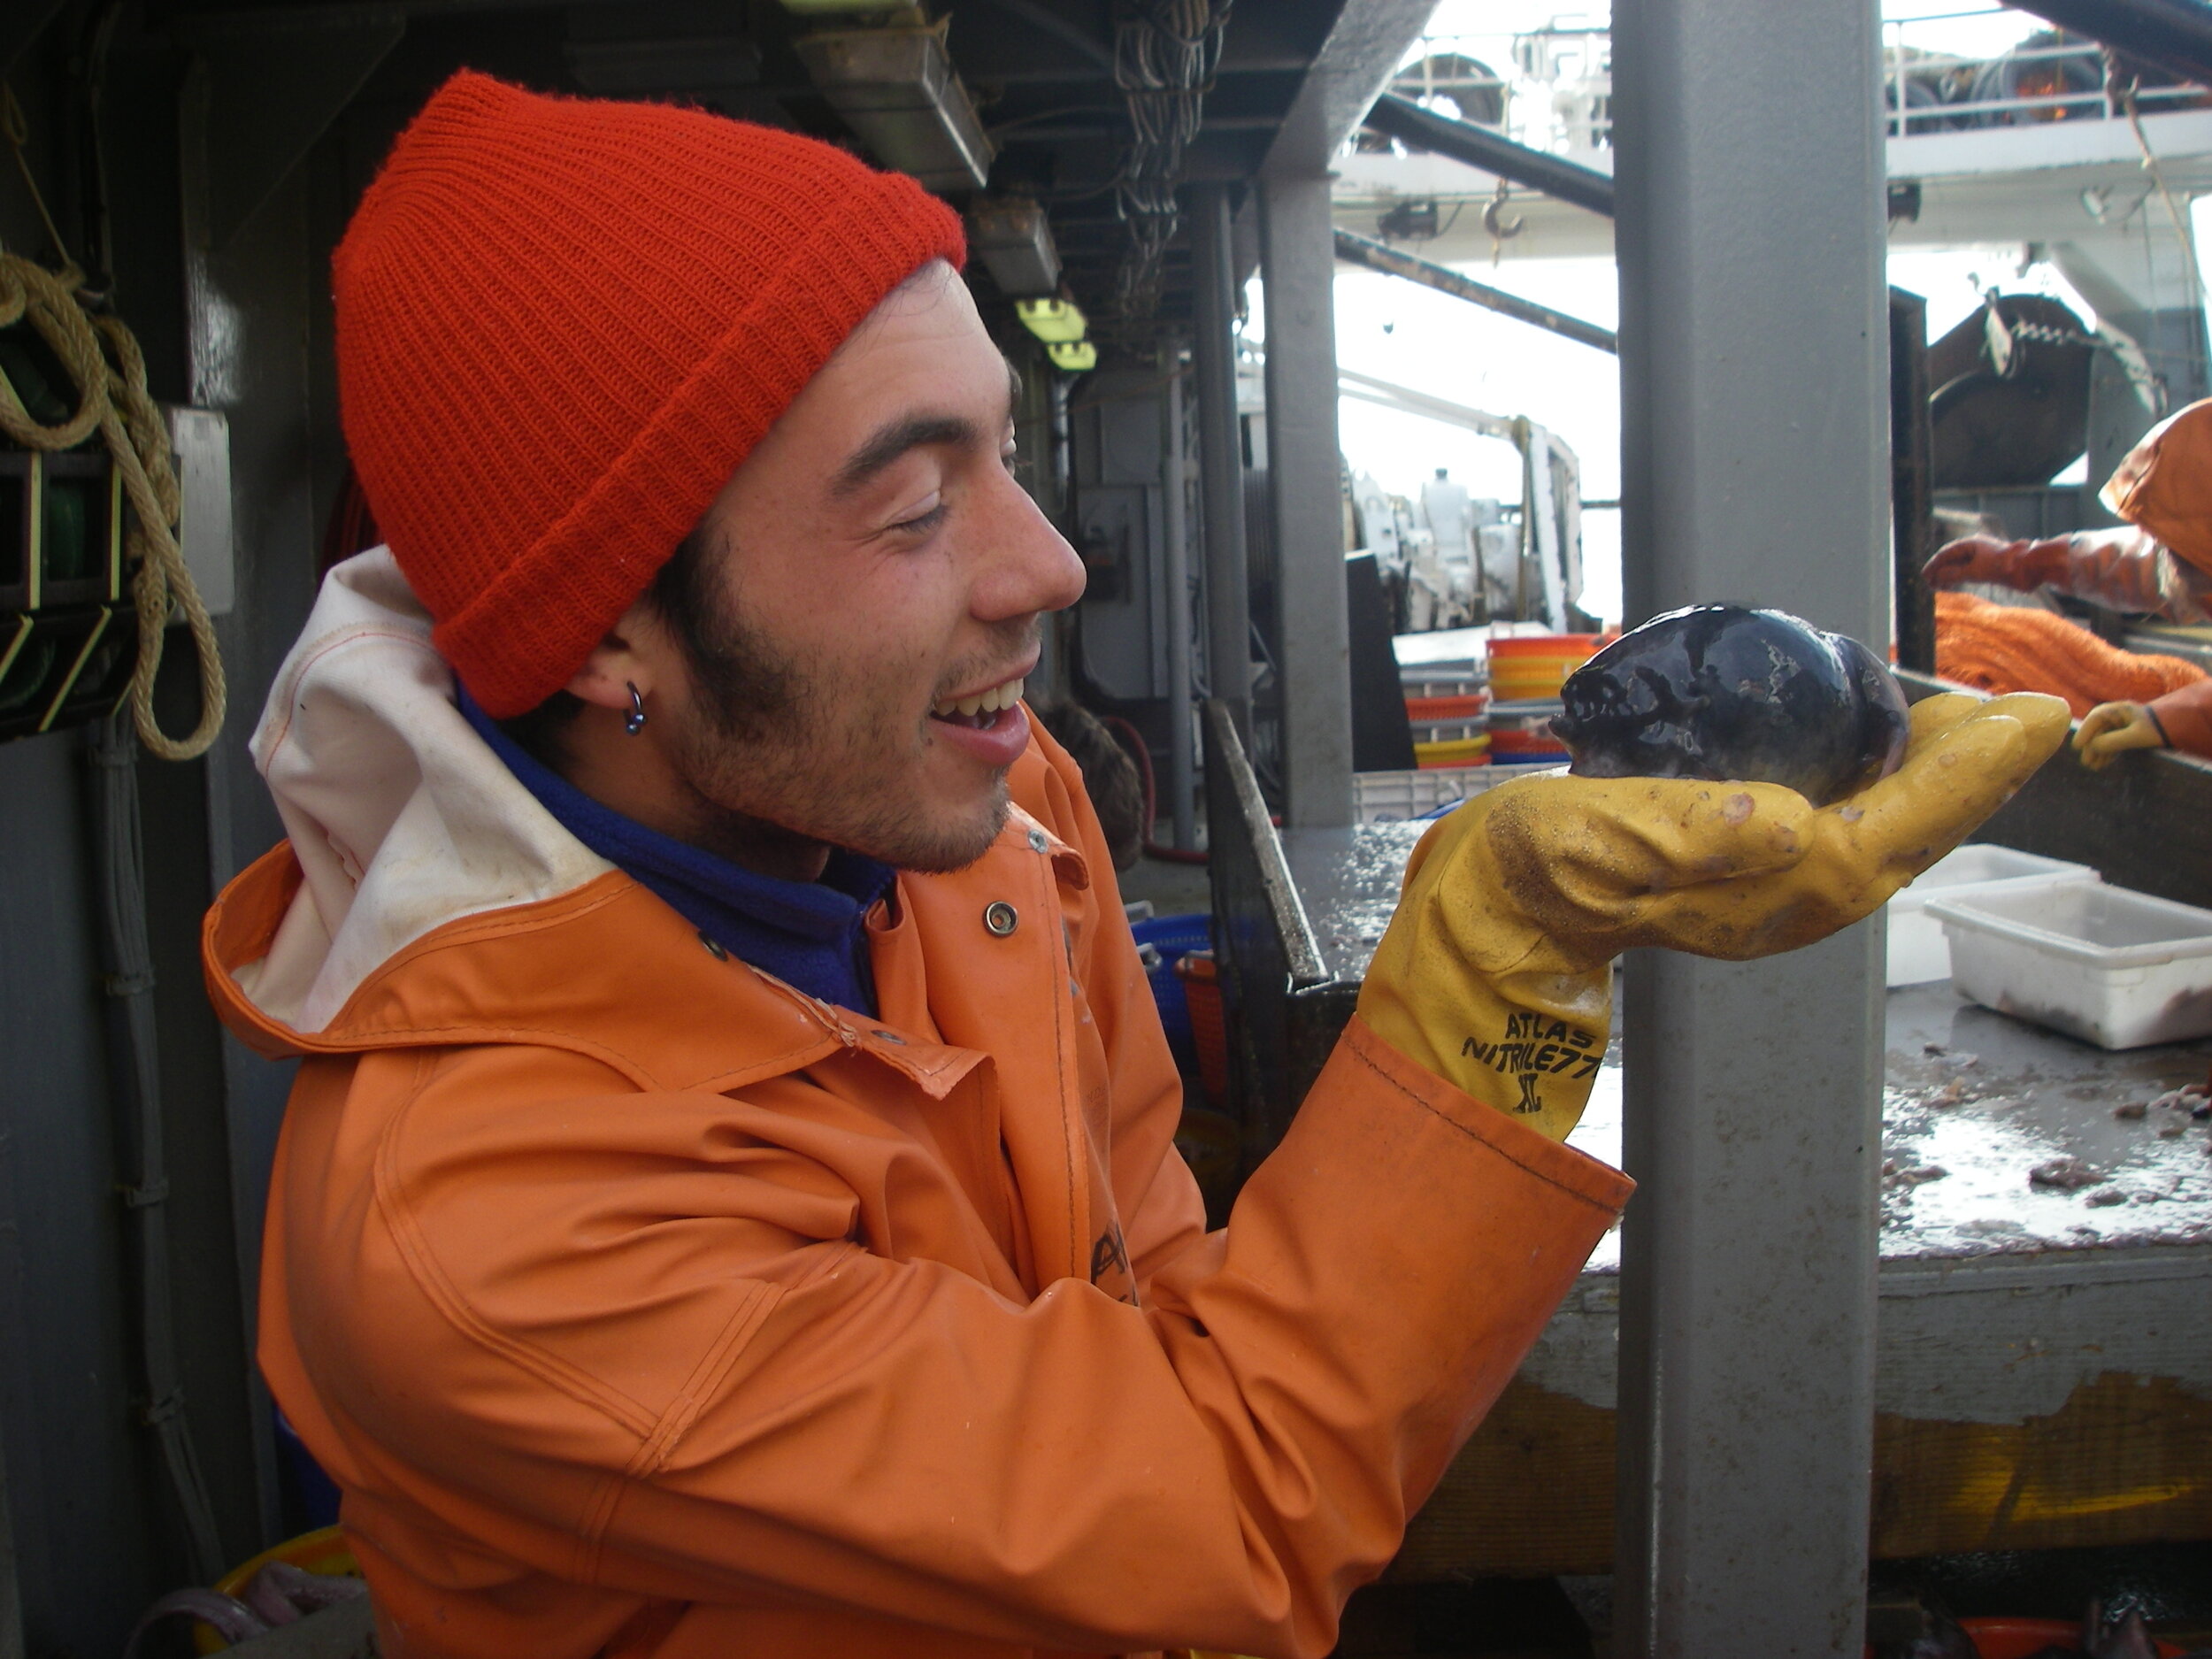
[{"x": 872, "y": 570}]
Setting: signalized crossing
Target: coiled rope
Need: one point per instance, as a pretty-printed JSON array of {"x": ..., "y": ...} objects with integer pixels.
[{"x": 113, "y": 400}]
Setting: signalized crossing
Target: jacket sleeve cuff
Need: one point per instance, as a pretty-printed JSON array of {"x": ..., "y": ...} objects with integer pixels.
[{"x": 1364, "y": 1054}]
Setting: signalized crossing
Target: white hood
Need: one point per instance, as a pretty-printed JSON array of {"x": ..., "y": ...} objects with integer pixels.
[{"x": 402, "y": 817}]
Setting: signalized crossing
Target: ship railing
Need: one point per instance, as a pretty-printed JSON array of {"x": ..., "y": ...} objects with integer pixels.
[{"x": 1551, "y": 89}]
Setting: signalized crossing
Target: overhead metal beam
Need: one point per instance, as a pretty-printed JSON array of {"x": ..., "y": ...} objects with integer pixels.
[
  {"x": 1409, "y": 124},
  {"x": 1753, "y": 1091},
  {"x": 1047, "y": 21},
  {"x": 1365, "y": 45},
  {"x": 2175, "y": 34},
  {"x": 1378, "y": 256}
]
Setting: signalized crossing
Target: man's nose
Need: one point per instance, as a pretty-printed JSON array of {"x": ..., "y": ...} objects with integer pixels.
[{"x": 1028, "y": 565}]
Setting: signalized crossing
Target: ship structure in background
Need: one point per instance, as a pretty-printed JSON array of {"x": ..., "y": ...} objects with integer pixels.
[{"x": 2083, "y": 162}]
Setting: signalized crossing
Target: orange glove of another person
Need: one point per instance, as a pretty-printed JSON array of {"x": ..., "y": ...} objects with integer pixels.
[
  {"x": 2122, "y": 568},
  {"x": 2023, "y": 566},
  {"x": 1495, "y": 972}
]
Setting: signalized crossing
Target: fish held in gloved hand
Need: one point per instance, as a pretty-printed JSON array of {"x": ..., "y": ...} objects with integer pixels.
[
  {"x": 1493, "y": 972},
  {"x": 1730, "y": 694}
]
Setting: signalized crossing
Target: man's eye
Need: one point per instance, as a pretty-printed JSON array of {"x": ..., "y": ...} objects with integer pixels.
[{"x": 922, "y": 522}]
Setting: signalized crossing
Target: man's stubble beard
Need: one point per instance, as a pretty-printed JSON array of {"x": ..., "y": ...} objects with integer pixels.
[{"x": 761, "y": 738}]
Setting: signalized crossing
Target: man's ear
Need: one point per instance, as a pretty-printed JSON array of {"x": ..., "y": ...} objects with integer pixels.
[{"x": 630, "y": 654}]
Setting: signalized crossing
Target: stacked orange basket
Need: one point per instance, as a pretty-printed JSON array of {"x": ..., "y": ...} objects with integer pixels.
[
  {"x": 1531, "y": 667},
  {"x": 1526, "y": 671}
]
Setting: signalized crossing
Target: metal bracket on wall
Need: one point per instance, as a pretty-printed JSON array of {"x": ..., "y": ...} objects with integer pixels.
[{"x": 262, "y": 88}]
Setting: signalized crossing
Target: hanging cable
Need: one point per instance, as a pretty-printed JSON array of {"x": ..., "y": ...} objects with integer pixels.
[
  {"x": 102, "y": 357},
  {"x": 135, "y": 1082},
  {"x": 1165, "y": 53}
]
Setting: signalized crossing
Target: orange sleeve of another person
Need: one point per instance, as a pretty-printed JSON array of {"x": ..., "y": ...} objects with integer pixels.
[{"x": 2186, "y": 717}]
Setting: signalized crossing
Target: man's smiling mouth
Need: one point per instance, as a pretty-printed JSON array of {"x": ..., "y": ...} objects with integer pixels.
[{"x": 982, "y": 710}]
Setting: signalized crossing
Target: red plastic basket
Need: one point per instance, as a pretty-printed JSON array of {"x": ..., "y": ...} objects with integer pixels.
[
  {"x": 2024, "y": 1638},
  {"x": 1210, "y": 1032},
  {"x": 2018, "y": 1637},
  {"x": 1467, "y": 708}
]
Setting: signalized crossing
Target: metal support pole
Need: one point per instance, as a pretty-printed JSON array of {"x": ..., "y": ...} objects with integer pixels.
[
  {"x": 1754, "y": 396},
  {"x": 1174, "y": 487},
  {"x": 10, "y": 1585},
  {"x": 1306, "y": 498},
  {"x": 1220, "y": 454}
]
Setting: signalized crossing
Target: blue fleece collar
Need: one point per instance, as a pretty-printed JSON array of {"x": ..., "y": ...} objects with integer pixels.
[{"x": 811, "y": 934}]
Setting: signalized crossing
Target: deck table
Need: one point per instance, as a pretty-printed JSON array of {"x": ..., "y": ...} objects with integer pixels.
[{"x": 2044, "y": 1367}]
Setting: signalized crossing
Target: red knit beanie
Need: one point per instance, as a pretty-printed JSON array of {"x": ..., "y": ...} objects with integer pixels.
[{"x": 562, "y": 323}]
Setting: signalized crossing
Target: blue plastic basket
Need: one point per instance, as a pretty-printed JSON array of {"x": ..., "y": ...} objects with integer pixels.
[{"x": 1173, "y": 936}]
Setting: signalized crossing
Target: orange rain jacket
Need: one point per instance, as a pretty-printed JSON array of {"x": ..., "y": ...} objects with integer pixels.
[
  {"x": 640, "y": 1304},
  {"x": 2164, "y": 484}
]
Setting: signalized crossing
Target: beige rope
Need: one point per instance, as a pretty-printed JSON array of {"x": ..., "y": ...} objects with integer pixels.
[
  {"x": 16, "y": 128},
  {"x": 113, "y": 399}
]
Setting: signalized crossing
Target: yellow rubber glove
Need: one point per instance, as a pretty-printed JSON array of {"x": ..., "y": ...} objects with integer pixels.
[
  {"x": 2110, "y": 729},
  {"x": 1495, "y": 972}
]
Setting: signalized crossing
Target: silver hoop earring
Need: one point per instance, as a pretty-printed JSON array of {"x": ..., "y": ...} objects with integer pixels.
[{"x": 633, "y": 722}]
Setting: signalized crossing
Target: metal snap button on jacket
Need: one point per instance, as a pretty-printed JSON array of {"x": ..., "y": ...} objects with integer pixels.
[
  {"x": 1037, "y": 842},
  {"x": 1001, "y": 917}
]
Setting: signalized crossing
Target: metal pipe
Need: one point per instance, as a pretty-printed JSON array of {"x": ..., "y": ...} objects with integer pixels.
[
  {"x": 2174, "y": 35},
  {"x": 1409, "y": 124},
  {"x": 1377, "y": 256},
  {"x": 1173, "y": 485},
  {"x": 1912, "y": 523},
  {"x": 134, "y": 1086},
  {"x": 1220, "y": 453},
  {"x": 1753, "y": 1092}
]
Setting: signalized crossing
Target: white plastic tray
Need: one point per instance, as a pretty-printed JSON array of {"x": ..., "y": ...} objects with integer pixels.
[
  {"x": 1919, "y": 954},
  {"x": 2113, "y": 966},
  {"x": 1390, "y": 797}
]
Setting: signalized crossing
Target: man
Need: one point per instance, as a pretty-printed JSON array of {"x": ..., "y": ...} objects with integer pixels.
[
  {"x": 2158, "y": 563},
  {"x": 1444, "y": 504},
  {"x": 728, "y": 1203}
]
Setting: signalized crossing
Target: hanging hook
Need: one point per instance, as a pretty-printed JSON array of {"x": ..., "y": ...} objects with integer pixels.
[{"x": 1501, "y": 228}]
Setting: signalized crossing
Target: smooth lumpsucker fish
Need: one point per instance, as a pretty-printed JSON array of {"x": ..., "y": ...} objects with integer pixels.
[{"x": 1731, "y": 694}]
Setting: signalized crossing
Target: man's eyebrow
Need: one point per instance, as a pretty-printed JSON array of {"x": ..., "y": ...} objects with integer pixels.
[{"x": 893, "y": 440}]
